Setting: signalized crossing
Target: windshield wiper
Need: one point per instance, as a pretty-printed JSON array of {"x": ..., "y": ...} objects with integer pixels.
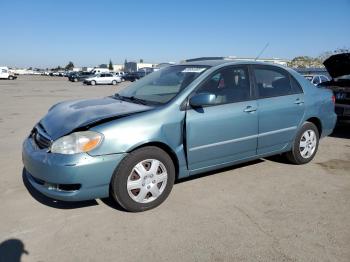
[
  {"x": 131, "y": 98},
  {"x": 138, "y": 100}
]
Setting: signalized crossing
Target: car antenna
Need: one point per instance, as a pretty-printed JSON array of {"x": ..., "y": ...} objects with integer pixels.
[{"x": 262, "y": 51}]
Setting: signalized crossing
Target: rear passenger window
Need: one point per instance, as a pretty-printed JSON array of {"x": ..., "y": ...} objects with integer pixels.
[
  {"x": 272, "y": 82},
  {"x": 296, "y": 88},
  {"x": 230, "y": 84}
]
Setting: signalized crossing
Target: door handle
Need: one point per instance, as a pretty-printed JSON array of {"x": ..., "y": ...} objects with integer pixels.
[
  {"x": 250, "y": 109},
  {"x": 298, "y": 101}
]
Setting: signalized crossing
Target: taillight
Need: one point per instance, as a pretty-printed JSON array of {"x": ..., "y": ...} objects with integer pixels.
[{"x": 333, "y": 99}]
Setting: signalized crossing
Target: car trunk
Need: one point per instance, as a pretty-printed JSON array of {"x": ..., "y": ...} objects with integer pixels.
[{"x": 338, "y": 66}]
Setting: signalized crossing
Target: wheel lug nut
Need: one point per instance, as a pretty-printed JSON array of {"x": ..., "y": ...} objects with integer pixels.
[
  {"x": 153, "y": 181},
  {"x": 148, "y": 187},
  {"x": 143, "y": 184}
]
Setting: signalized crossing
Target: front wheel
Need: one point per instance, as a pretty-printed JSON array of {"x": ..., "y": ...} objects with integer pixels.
[
  {"x": 305, "y": 144},
  {"x": 114, "y": 82},
  {"x": 10, "y": 77},
  {"x": 143, "y": 180}
]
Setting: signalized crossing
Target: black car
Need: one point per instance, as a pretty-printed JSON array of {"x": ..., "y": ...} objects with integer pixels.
[
  {"x": 132, "y": 76},
  {"x": 80, "y": 76},
  {"x": 338, "y": 67}
]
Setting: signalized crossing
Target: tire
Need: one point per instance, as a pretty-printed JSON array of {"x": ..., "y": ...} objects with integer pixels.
[
  {"x": 10, "y": 77},
  {"x": 75, "y": 79},
  {"x": 305, "y": 145},
  {"x": 146, "y": 190},
  {"x": 93, "y": 83},
  {"x": 114, "y": 82}
]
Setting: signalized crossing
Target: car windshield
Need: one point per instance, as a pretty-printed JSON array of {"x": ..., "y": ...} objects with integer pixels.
[{"x": 161, "y": 86}]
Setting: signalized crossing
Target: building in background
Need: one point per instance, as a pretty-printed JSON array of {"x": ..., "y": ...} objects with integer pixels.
[
  {"x": 135, "y": 66},
  {"x": 118, "y": 68}
]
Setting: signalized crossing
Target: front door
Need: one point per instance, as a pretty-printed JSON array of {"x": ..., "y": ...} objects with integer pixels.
[{"x": 227, "y": 131}]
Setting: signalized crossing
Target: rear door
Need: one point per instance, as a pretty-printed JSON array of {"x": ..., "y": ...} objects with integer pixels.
[
  {"x": 281, "y": 107},
  {"x": 227, "y": 131},
  {"x": 102, "y": 78},
  {"x": 109, "y": 78}
]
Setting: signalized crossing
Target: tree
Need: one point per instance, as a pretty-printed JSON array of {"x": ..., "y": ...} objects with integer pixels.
[
  {"x": 141, "y": 60},
  {"x": 327, "y": 54},
  {"x": 308, "y": 61},
  {"x": 110, "y": 66},
  {"x": 69, "y": 66},
  {"x": 103, "y": 66},
  {"x": 305, "y": 62}
]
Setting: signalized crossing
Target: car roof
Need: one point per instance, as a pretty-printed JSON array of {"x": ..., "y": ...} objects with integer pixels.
[{"x": 213, "y": 63}]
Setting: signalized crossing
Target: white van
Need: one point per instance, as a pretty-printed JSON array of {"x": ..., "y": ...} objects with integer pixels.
[
  {"x": 99, "y": 70},
  {"x": 6, "y": 74}
]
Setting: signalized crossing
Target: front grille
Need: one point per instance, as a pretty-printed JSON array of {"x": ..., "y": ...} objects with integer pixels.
[{"x": 40, "y": 138}]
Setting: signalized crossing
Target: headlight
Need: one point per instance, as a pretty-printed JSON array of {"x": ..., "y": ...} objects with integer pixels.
[{"x": 77, "y": 142}]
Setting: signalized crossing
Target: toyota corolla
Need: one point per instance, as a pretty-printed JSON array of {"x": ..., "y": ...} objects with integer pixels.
[{"x": 179, "y": 121}]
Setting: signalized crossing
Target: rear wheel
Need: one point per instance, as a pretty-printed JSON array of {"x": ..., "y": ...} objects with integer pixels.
[
  {"x": 305, "y": 144},
  {"x": 114, "y": 82},
  {"x": 143, "y": 180},
  {"x": 10, "y": 77},
  {"x": 93, "y": 82},
  {"x": 75, "y": 79}
]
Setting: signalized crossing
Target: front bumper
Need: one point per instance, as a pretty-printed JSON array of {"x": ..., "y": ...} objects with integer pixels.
[{"x": 69, "y": 177}]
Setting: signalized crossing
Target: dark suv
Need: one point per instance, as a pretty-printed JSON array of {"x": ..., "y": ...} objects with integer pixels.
[{"x": 80, "y": 76}]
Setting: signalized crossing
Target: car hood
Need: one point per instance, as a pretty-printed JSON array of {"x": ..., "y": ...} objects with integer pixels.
[
  {"x": 338, "y": 65},
  {"x": 65, "y": 117}
]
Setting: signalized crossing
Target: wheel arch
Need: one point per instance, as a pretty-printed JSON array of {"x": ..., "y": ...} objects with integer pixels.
[
  {"x": 317, "y": 122},
  {"x": 167, "y": 149}
]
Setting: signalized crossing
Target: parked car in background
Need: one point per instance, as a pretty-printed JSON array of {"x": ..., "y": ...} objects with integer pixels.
[
  {"x": 120, "y": 74},
  {"x": 338, "y": 67},
  {"x": 103, "y": 79},
  {"x": 5, "y": 73},
  {"x": 80, "y": 76},
  {"x": 56, "y": 73},
  {"x": 71, "y": 73},
  {"x": 100, "y": 70},
  {"x": 316, "y": 79},
  {"x": 178, "y": 122},
  {"x": 131, "y": 76}
]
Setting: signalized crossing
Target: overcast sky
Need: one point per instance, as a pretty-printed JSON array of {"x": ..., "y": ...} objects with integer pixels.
[{"x": 51, "y": 33}]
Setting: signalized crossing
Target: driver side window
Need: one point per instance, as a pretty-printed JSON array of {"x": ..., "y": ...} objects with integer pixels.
[{"x": 230, "y": 84}]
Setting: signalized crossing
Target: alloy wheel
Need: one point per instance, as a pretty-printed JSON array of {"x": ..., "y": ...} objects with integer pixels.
[{"x": 308, "y": 143}]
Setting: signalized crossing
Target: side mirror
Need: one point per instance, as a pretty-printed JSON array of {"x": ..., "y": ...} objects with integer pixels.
[{"x": 203, "y": 99}]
